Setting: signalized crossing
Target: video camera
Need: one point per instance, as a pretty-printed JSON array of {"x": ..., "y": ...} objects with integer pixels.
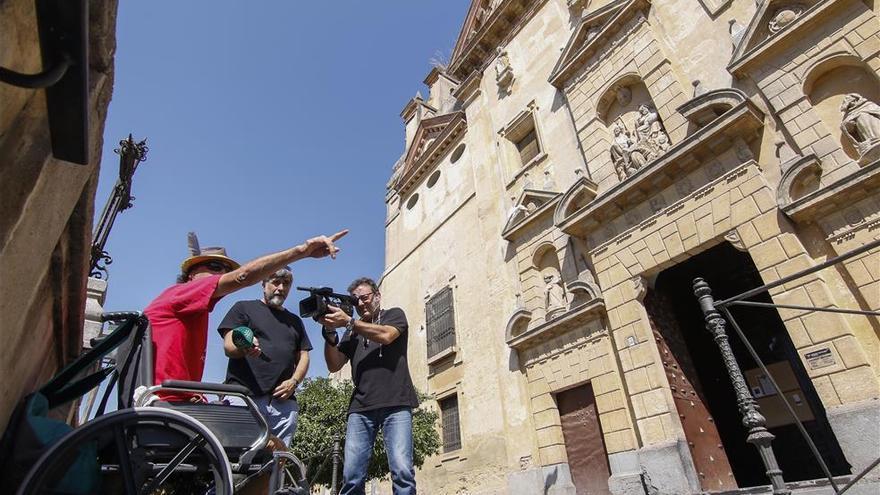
[{"x": 315, "y": 306}]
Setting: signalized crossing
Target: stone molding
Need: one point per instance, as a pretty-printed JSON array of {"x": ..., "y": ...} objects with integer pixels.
[
  {"x": 858, "y": 185},
  {"x": 469, "y": 89},
  {"x": 710, "y": 105},
  {"x": 573, "y": 318},
  {"x": 578, "y": 196},
  {"x": 792, "y": 171},
  {"x": 745, "y": 119}
]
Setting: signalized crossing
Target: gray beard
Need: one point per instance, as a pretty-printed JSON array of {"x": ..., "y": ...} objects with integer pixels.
[{"x": 275, "y": 302}]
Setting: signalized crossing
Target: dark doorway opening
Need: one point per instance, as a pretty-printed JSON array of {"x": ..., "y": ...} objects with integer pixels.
[
  {"x": 676, "y": 315},
  {"x": 584, "y": 443}
]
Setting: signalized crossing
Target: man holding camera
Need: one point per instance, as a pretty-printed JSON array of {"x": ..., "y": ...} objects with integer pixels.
[
  {"x": 383, "y": 396},
  {"x": 278, "y": 360},
  {"x": 179, "y": 315}
]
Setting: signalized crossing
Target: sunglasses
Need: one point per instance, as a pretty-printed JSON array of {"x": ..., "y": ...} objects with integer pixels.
[
  {"x": 363, "y": 297},
  {"x": 215, "y": 266}
]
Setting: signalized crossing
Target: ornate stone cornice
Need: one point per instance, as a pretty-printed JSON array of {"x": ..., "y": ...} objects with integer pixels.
[
  {"x": 450, "y": 128},
  {"x": 743, "y": 120},
  {"x": 477, "y": 41},
  {"x": 469, "y": 89}
]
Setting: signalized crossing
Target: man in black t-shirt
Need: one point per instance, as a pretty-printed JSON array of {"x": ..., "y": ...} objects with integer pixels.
[
  {"x": 279, "y": 360},
  {"x": 383, "y": 396}
]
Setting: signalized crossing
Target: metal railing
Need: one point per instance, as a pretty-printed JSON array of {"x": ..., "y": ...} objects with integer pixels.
[{"x": 717, "y": 313}]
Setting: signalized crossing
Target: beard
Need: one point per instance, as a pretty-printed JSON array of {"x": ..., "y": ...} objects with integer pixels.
[{"x": 275, "y": 301}]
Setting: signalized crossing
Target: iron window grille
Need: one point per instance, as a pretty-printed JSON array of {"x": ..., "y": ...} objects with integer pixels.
[
  {"x": 450, "y": 423},
  {"x": 440, "y": 320}
]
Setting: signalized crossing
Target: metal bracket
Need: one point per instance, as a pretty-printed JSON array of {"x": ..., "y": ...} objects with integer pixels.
[{"x": 64, "y": 34}]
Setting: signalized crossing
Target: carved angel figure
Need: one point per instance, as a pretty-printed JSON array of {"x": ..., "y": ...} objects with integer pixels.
[{"x": 861, "y": 124}]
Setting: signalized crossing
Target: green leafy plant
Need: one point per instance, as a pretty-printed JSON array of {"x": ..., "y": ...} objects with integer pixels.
[{"x": 322, "y": 418}]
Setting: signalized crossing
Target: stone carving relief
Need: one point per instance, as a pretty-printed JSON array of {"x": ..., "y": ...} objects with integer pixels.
[
  {"x": 735, "y": 240},
  {"x": 861, "y": 125},
  {"x": 640, "y": 287},
  {"x": 785, "y": 16},
  {"x": 503, "y": 70},
  {"x": 631, "y": 150}
]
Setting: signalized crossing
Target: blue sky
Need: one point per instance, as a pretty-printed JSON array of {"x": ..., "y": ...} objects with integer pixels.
[{"x": 267, "y": 123}]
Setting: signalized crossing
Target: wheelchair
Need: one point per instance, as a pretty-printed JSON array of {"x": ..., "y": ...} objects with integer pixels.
[{"x": 150, "y": 446}]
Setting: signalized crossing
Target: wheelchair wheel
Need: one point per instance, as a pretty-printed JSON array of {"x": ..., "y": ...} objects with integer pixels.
[
  {"x": 133, "y": 451},
  {"x": 288, "y": 475}
]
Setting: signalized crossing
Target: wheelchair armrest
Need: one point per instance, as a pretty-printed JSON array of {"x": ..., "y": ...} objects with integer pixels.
[{"x": 215, "y": 388}]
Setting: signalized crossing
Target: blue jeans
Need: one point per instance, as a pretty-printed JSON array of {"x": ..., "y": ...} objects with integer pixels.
[{"x": 396, "y": 425}]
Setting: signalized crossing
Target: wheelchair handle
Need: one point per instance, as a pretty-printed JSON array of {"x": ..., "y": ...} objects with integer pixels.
[{"x": 119, "y": 315}]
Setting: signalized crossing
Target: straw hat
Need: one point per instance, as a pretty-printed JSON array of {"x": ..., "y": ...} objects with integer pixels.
[{"x": 198, "y": 255}]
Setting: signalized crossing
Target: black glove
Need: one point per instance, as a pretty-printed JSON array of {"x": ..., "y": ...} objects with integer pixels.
[{"x": 330, "y": 336}]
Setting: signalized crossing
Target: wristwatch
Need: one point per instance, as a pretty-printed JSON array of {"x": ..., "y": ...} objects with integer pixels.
[{"x": 350, "y": 325}]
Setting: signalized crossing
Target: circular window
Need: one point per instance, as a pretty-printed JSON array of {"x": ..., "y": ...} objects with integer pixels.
[
  {"x": 456, "y": 154},
  {"x": 412, "y": 201},
  {"x": 433, "y": 178}
]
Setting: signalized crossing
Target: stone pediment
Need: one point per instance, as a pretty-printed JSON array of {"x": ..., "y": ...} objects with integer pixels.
[
  {"x": 579, "y": 195},
  {"x": 531, "y": 205},
  {"x": 431, "y": 141},
  {"x": 773, "y": 22},
  {"x": 709, "y": 106},
  {"x": 592, "y": 34},
  {"x": 488, "y": 25}
]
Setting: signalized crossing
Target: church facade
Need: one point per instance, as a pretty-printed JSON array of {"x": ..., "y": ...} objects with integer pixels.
[{"x": 575, "y": 167}]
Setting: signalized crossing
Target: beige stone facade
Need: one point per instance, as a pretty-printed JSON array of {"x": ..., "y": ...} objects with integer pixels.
[
  {"x": 592, "y": 159},
  {"x": 46, "y": 208}
]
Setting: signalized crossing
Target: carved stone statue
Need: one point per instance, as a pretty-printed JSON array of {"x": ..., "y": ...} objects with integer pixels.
[
  {"x": 624, "y": 154},
  {"x": 503, "y": 69},
  {"x": 650, "y": 133},
  {"x": 516, "y": 208},
  {"x": 861, "y": 124},
  {"x": 554, "y": 293}
]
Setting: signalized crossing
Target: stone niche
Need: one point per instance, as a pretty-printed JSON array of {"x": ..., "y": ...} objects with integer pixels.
[{"x": 844, "y": 92}]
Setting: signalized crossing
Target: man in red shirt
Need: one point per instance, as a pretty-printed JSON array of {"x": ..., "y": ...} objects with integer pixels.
[{"x": 179, "y": 316}]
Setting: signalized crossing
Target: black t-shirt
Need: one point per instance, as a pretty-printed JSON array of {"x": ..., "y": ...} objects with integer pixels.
[
  {"x": 282, "y": 335},
  {"x": 380, "y": 372}
]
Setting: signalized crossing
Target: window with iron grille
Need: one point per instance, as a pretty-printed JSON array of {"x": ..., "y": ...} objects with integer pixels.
[
  {"x": 449, "y": 423},
  {"x": 440, "y": 322}
]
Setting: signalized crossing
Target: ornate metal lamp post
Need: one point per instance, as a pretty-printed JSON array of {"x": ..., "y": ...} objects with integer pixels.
[
  {"x": 752, "y": 418},
  {"x": 131, "y": 154}
]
